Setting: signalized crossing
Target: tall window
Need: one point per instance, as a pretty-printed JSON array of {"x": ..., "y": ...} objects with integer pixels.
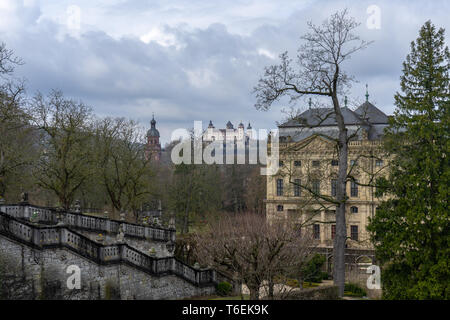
[
  {"x": 281, "y": 163},
  {"x": 280, "y": 207},
  {"x": 354, "y": 232},
  {"x": 297, "y": 163},
  {"x": 316, "y": 186},
  {"x": 333, "y": 231},
  {"x": 334, "y": 162},
  {"x": 333, "y": 187},
  {"x": 297, "y": 191},
  {"x": 354, "y": 189},
  {"x": 279, "y": 187},
  {"x": 354, "y": 209},
  {"x": 379, "y": 163},
  {"x": 317, "y": 231}
]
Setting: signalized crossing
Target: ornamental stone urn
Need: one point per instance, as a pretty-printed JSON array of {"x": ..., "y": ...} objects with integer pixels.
[
  {"x": 34, "y": 217},
  {"x": 77, "y": 206},
  {"x": 100, "y": 238},
  {"x": 120, "y": 235}
]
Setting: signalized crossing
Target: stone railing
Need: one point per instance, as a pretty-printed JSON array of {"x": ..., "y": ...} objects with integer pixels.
[
  {"x": 81, "y": 221},
  {"x": 59, "y": 236}
]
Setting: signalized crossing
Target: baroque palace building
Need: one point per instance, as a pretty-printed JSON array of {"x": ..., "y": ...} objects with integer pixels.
[{"x": 308, "y": 169}]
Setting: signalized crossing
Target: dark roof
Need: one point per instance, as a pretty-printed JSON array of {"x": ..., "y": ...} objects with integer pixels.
[
  {"x": 229, "y": 125},
  {"x": 371, "y": 113},
  {"x": 366, "y": 114},
  {"x": 323, "y": 117},
  {"x": 153, "y": 132}
]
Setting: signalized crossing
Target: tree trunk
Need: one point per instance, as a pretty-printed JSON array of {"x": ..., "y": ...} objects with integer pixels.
[
  {"x": 254, "y": 291},
  {"x": 271, "y": 285},
  {"x": 341, "y": 228}
]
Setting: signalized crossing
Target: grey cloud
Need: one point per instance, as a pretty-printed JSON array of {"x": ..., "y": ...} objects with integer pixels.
[{"x": 210, "y": 75}]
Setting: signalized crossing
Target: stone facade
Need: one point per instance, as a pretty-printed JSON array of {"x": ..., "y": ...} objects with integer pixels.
[{"x": 308, "y": 164}]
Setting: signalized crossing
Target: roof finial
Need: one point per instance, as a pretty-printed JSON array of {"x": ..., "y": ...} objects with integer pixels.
[
  {"x": 153, "y": 121},
  {"x": 309, "y": 103},
  {"x": 367, "y": 92},
  {"x": 345, "y": 101}
]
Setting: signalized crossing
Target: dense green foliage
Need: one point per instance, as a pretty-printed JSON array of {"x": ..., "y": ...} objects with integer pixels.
[
  {"x": 352, "y": 289},
  {"x": 224, "y": 288},
  {"x": 411, "y": 230},
  {"x": 312, "y": 272}
]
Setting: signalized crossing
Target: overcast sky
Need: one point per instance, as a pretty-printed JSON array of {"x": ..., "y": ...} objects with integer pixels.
[{"x": 189, "y": 60}]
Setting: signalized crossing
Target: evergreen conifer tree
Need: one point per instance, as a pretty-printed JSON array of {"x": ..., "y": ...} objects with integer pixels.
[{"x": 411, "y": 230}]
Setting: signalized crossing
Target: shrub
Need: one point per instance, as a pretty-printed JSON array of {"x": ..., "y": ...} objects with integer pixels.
[
  {"x": 352, "y": 289},
  {"x": 312, "y": 270},
  {"x": 325, "y": 275},
  {"x": 224, "y": 288},
  {"x": 292, "y": 283}
]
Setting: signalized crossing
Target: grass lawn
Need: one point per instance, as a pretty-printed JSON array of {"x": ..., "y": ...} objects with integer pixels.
[
  {"x": 310, "y": 285},
  {"x": 214, "y": 297},
  {"x": 246, "y": 297}
]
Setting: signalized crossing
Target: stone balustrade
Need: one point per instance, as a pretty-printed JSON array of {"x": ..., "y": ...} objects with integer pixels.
[
  {"x": 81, "y": 221},
  {"x": 61, "y": 236}
]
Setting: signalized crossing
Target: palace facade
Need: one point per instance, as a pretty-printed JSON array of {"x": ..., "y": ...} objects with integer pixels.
[{"x": 308, "y": 172}]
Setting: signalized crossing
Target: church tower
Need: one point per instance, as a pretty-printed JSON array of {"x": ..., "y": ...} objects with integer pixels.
[{"x": 153, "y": 151}]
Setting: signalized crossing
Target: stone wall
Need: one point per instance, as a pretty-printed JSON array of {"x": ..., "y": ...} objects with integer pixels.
[{"x": 44, "y": 276}]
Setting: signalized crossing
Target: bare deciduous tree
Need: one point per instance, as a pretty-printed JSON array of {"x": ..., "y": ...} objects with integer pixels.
[
  {"x": 66, "y": 129},
  {"x": 258, "y": 253},
  {"x": 319, "y": 72},
  {"x": 121, "y": 165},
  {"x": 16, "y": 140}
]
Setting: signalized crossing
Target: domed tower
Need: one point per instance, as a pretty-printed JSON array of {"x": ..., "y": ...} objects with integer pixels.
[
  {"x": 249, "y": 131},
  {"x": 153, "y": 146},
  {"x": 241, "y": 131}
]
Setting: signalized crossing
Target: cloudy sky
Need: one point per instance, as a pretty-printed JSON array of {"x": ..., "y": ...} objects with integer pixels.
[{"x": 189, "y": 60}]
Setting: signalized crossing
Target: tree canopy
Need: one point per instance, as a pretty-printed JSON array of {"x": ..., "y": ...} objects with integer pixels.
[{"x": 411, "y": 230}]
